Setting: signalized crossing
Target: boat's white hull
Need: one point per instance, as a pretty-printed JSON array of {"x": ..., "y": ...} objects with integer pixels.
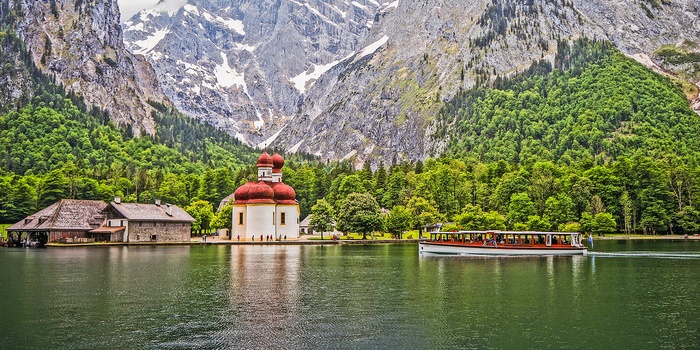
[{"x": 501, "y": 250}]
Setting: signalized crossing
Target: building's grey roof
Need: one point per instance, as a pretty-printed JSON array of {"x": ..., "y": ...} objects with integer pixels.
[
  {"x": 307, "y": 221},
  {"x": 66, "y": 214},
  {"x": 152, "y": 212},
  {"x": 225, "y": 201}
]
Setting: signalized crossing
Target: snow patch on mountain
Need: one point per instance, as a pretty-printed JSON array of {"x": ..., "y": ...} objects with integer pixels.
[
  {"x": 227, "y": 76},
  {"x": 170, "y": 6},
  {"x": 387, "y": 6},
  {"x": 295, "y": 148},
  {"x": 234, "y": 25},
  {"x": 149, "y": 43},
  {"x": 360, "y": 6},
  {"x": 270, "y": 139},
  {"x": 371, "y": 48},
  {"x": 321, "y": 16},
  {"x": 349, "y": 155},
  {"x": 191, "y": 9},
  {"x": 302, "y": 79}
]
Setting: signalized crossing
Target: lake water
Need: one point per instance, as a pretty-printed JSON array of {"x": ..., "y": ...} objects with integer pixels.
[{"x": 348, "y": 297}]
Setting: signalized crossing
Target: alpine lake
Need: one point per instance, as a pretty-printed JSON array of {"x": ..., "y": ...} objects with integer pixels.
[{"x": 635, "y": 294}]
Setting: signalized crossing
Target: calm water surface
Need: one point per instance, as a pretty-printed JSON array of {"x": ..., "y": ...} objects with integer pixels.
[{"x": 348, "y": 297}]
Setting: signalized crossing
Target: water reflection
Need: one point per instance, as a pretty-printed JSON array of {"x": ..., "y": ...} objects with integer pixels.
[
  {"x": 264, "y": 292},
  {"x": 354, "y": 297}
]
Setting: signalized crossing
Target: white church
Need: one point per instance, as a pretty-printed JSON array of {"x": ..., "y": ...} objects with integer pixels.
[{"x": 267, "y": 207}]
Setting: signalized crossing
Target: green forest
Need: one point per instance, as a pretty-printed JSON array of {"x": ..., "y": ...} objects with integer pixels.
[{"x": 592, "y": 142}]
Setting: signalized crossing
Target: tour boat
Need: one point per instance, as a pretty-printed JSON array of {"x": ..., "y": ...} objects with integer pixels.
[{"x": 500, "y": 243}]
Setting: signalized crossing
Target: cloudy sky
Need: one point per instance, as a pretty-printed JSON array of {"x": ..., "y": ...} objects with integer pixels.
[{"x": 131, "y": 7}]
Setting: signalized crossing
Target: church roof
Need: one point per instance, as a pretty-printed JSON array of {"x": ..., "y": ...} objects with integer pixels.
[
  {"x": 265, "y": 160},
  {"x": 277, "y": 161}
]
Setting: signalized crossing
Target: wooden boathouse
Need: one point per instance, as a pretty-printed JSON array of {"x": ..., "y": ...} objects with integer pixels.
[{"x": 65, "y": 219}]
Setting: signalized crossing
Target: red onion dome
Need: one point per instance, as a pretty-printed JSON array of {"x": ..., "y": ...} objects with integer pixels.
[
  {"x": 265, "y": 160},
  {"x": 242, "y": 193},
  {"x": 260, "y": 192},
  {"x": 284, "y": 194},
  {"x": 277, "y": 161}
]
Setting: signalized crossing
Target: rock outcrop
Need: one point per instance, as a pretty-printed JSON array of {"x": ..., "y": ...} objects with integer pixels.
[{"x": 79, "y": 43}]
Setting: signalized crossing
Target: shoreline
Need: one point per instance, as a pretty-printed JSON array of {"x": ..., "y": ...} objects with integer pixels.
[
  {"x": 229, "y": 242},
  {"x": 306, "y": 241},
  {"x": 638, "y": 237}
]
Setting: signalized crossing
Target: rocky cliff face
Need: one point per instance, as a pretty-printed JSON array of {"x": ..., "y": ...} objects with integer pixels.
[
  {"x": 79, "y": 43},
  {"x": 244, "y": 66},
  {"x": 364, "y": 80}
]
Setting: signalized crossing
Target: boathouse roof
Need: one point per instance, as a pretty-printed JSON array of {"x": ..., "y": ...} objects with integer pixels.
[
  {"x": 66, "y": 214},
  {"x": 151, "y": 212}
]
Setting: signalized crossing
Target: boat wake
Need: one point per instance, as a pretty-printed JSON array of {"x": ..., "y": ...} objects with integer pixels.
[{"x": 644, "y": 254}]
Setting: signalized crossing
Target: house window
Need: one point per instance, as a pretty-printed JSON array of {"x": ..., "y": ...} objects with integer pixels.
[
  {"x": 273, "y": 218},
  {"x": 240, "y": 218},
  {"x": 283, "y": 218},
  {"x": 122, "y": 223}
]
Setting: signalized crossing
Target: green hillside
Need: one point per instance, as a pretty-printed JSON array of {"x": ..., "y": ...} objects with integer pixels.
[
  {"x": 52, "y": 147},
  {"x": 594, "y": 104}
]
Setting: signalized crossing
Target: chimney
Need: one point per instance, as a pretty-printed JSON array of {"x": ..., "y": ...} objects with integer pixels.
[
  {"x": 169, "y": 211},
  {"x": 117, "y": 200},
  {"x": 158, "y": 202}
]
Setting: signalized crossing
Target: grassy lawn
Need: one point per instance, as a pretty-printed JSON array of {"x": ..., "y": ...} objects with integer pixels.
[{"x": 3, "y": 233}]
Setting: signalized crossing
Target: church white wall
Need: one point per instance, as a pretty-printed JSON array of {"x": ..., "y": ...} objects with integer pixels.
[
  {"x": 291, "y": 226},
  {"x": 237, "y": 229},
  {"x": 260, "y": 218}
]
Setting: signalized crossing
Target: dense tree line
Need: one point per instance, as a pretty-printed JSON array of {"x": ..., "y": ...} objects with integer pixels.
[{"x": 636, "y": 194}]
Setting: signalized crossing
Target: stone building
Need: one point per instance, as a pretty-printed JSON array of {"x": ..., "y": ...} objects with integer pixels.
[
  {"x": 268, "y": 207},
  {"x": 138, "y": 222}
]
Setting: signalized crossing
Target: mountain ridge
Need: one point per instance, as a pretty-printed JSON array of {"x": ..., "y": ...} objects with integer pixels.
[{"x": 420, "y": 55}]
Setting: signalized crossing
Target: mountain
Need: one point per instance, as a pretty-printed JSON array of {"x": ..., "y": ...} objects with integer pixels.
[
  {"x": 365, "y": 80},
  {"x": 79, "y": 45},
  {"x": 244, "y": 66}
]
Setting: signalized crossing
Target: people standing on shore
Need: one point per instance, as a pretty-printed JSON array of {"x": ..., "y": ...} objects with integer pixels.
[{"x": 239, "y": 238}]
